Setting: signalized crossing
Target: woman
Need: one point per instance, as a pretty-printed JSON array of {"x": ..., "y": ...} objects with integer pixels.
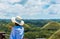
[{"x": 18, "y": 30}]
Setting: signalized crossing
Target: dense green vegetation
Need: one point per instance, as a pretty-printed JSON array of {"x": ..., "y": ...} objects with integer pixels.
[
  {"x": 33, "y": 28},
  {"x": 56, "y": 35}
]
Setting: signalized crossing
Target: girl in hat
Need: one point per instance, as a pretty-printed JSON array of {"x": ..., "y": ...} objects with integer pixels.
[{"x": 18, "y": 30}]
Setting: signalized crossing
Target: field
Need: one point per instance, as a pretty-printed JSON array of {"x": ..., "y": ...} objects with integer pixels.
[{"x": 38, "y": 28}]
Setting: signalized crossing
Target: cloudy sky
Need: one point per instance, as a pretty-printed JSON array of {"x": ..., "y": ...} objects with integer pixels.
[{"x": 30, "y": 9}]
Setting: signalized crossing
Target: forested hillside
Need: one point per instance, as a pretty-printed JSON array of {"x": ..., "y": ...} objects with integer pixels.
[{"x": 41, "y": 28}]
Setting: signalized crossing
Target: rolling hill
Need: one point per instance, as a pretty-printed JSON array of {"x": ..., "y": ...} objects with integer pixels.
[
  {"x": 52, "y": 26},
  {"x": 56, "y": 35}
]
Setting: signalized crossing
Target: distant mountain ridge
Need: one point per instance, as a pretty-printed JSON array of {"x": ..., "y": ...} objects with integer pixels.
[{"x": 35, "y": 22}]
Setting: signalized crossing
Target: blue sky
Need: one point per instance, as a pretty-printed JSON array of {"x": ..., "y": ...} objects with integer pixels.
[{"x": 30, "y": 9}]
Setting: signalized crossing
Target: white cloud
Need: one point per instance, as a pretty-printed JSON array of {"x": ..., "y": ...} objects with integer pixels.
[
  {"x": 32, "y": 9},
  {"x": 10, "y": 1},
  {"x": 14, "y": 1},
  {"x": 3, "y": 6}
]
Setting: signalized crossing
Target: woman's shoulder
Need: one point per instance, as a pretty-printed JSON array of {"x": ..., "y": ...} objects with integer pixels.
[{"x": 15, "y": 27}]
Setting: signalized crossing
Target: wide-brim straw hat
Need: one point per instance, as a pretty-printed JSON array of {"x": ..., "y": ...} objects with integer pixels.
[{"x": 17, "y": 20}]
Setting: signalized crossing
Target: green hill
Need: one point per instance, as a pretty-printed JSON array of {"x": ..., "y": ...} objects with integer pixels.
[
  {"x": 52, "y": 26},
  {"x": 56, "y": 35}
]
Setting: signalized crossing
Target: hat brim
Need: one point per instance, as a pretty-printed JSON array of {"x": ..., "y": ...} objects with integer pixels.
[{"x": 14, "y": 21}]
